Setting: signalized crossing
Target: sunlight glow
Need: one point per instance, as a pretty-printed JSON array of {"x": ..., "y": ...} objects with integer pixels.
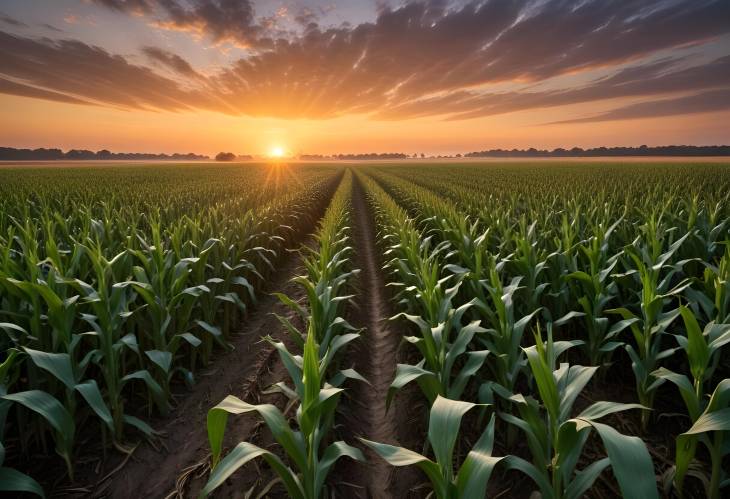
[{"x": 277, "y": 152}]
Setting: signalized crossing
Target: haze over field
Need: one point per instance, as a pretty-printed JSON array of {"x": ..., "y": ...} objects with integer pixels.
[{"x": 346, "y": 76}]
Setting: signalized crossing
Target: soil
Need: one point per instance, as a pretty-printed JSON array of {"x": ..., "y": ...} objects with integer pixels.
[{"x": 374, "y": 356}]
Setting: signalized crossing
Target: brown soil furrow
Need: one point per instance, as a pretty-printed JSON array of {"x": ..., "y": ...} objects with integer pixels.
[{"x": 374, "y": 356}]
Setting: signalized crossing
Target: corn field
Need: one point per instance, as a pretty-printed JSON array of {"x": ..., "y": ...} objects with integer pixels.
[{"x": 525, "y": 330}]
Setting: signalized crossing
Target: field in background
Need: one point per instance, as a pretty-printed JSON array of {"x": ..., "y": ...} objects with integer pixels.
[{"x": 587, "y": 304}]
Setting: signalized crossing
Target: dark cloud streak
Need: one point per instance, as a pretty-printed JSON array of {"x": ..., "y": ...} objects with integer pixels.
[
  {"x": 703, "y": 102},
  {"x": 11, "y": 21}
]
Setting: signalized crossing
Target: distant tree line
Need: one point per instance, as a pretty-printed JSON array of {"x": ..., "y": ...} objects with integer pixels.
[
  {"x": 604, "y": 151},
  {"x": 13, "y": 154},
  {"x": 365, "y": 156}
]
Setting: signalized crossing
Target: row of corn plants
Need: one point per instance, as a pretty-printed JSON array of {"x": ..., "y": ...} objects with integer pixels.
[
  {"x": 679, "y": 253},
  {"x": 105, "y": 304},
  {"x": 308, "y": 449},
  {"x": 509, "y": 274}
]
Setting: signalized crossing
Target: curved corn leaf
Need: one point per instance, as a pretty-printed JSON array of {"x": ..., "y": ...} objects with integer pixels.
[
  {"x": 629, "y": 459},
  {"x": 243, "y": 453},
  {"x": 14, "y": 481}
]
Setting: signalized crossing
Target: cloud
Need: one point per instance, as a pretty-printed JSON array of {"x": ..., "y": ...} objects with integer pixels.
[
  {"x": 11, "y": 21},
  {"x": 52, "y": 28},
  {"x": 703, "y": 102},
  {"x": 171, "y": 61},
  {"x": 71, "y": 71},
  {"x": 650, "y": 79},
  {"x": 21, "y": 90},
  {"x": 128, "y": 6},
  {"x": 218, "y": 20},
  {"x": 426, "y": 58}
]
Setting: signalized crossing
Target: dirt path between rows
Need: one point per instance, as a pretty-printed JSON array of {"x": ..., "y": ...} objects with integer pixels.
[{"x": 375, "y": 356}]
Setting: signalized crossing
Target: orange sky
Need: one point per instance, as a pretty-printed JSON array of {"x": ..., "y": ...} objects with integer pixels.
[
  {"x": 33, "y": 123},
  {"x": 421, "y": 76}
]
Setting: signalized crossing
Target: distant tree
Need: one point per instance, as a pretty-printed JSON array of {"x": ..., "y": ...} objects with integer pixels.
[
  {"x": 80, "y": 154},
  {"x": 423, "y": 155},
  {"x": 225, "y": 156}
]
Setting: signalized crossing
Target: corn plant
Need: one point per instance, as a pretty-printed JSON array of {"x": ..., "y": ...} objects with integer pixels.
[
  {"x": 711, "y": 428},
  {"x": 306, "y": 446},
  {"x": 505, "y": 329},
  {"x": 712, "y": 300},
  {"x": 470, "y": 480},
  {"x": 556, "y": 439},
  {"x": 12, "y": 480},
  {"x": 448, "y": 364},
  {"x": 445, "y": 335},
  {"x": 709, "y": 419},
  {"x": 655, "y": 274},
  {"x": 598, "y": 290},
  {"x": 309, "y": 465}
]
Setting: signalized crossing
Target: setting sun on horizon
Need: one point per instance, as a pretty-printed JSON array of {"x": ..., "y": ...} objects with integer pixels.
[{"x": 277, "y": 152}]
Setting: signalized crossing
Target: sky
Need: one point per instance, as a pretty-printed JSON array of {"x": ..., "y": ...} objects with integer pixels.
[{"x": 354, "y": 76}]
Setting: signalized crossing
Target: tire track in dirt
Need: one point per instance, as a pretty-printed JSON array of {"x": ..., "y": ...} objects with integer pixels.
[{"x": 375, "y": 357}]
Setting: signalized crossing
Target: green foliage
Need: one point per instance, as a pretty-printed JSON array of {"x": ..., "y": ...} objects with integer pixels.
[
  {"x": 470, "y": 480},
  {"x": 314, "y": 374},
  {"x": 115, "y": 281}
]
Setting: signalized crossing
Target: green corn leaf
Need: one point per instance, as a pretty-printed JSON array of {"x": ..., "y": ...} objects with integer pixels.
[
  {"x": 597, "y": 410},
  {"x": 519, "y": 464},
  {"x": 10, "y": 329},
  {"x": 90, "y": 391},
  {"x": 711, "y": 421},
  {"x": 332, "y": 454},
  {"x": 443, "y": 427},
  {"x": 242, "y": 454},
  {"x": 137, "y": 423},
  {"x": 398, "y": 456},
  {"x": 585, "y": 478},
  {"x": 545, "y": 382},
  {"x": 629, "y": 459},
  {"x": 686, "y": 390},
  {"x": 154, "y": 388},
  {"x": 406, "y": 373},
  {"x": 58, "y": 364},
  {"x": 49, "y": 407},
  {"x": 162, "y": 359},
  {"x": 474, "y": 474},
  {"x": 216, "y": 332},
  {"x": 698, "y": 352},
  {"x": 274, "y": 419},
  {"x": 473, "y": 363},
  {"x": 577, "y": 378},
  {"x": 14, "y": 481}
]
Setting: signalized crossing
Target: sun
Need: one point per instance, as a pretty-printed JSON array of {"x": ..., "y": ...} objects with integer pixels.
[{"x": 277, "y": 152}]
